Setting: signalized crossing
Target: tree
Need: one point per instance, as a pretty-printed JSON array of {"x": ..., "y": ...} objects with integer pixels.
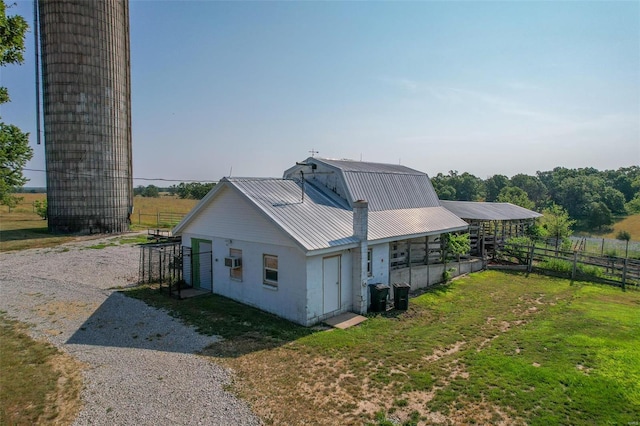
[
  {"x": 624, "y": 236},
  {"x": 14, "y": 144},
  {"x": 151, "y": 191},
  {"x": 598, "y": 215},
  {"x": 517, "y": 196},
  {"x": 557, "y": 223},
  {"x": 494, "y": 185},
  {"x": 533, "y": 186}
]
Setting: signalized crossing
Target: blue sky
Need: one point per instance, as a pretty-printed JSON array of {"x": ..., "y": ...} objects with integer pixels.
[{"x": 248, "y": 88}]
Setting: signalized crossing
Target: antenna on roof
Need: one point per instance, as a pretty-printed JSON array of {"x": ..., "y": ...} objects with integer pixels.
[
  {"x": 314, "y": 152},
  {"x": 230, "y": 170}
]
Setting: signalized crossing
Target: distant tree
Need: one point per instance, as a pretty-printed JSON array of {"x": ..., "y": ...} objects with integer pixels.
[
  {"x": 470, "y": 188},
  {"x": 14, "y": 144},
  {"x": 633, "y": 206},
  {"x": 598, "y": 215},
  {"x": 138, "y": 190},
  {"x": 194, "y": 190},
  {"x": 557, "y": 223},
  {"x": 517, "y": 196},
  {"x": 613, "y": 199},
  {"x": 494, "y": 185},
  {"x": 151, "y": 191},
  {"x": 533, "y": 186}
]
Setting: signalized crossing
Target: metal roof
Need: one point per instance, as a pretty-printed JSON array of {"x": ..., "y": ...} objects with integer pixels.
[
  {"x": 488, "y": 211},
  {"x": 383, "y": 186},
  {"x": 321, "y": 221}
]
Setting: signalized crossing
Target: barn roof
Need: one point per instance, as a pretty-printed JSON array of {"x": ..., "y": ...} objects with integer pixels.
[
  {"x": 384, "y": 186},
  {"x": 474, "y": 210},
  {"x": 322, "y": 221}
]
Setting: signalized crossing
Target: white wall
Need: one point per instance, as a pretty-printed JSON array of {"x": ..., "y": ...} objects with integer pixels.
[
  {"x": 379, "y": 264},
  {"x": 315, "y": 295},
  {"x": 231, "y": 216},
  {"x": 229, "y": 221}
]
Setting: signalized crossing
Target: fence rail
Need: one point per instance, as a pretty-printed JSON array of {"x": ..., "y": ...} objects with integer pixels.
[{"x": 613, "y": 270}]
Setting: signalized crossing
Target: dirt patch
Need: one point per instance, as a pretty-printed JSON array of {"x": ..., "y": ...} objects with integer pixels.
[
  {"x": 69, "y": 310},
  {"x": 439, "y": 353}
]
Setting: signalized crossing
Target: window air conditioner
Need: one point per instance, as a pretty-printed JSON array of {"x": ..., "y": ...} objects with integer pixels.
[{"x": 233, "y": 262}]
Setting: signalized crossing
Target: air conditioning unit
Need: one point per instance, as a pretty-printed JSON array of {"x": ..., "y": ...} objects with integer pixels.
[{"x": 233, "y": 262}]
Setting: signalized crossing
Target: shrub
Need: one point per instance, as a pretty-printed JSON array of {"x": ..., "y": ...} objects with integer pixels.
[
  {"x": 556, "y": 265},
  {"x": 41, "y": 208}
]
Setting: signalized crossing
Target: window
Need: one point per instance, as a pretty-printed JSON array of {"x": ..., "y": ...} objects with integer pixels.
[
  {"x": 270, "y": 270},
  {"x": 369, "y": 265},
  {"x": 235, "y": 273}
]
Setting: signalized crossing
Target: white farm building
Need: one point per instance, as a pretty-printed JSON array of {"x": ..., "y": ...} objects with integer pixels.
[{"x": 305, "y": 247}]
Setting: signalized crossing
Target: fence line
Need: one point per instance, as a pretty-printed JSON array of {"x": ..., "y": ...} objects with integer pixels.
[
  {"x": 575, "y": 264},
  {"x": 160, "y": 219}
]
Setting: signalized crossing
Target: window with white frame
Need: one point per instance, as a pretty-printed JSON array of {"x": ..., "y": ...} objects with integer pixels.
[
  {"x": 369, "y": 264},
  {"x": 270, "y": 276},
  {"x": 236, "y": 273}
]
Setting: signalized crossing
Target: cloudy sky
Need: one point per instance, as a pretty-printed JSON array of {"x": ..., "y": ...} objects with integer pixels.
[{"x": 249, "y": 88}]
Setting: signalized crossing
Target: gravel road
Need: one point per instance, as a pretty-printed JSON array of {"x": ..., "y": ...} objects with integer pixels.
[{"x": 142, "y": 367}]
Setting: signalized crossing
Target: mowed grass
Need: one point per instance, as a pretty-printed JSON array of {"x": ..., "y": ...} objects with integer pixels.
[
  {"x": 38, "y": 384},
  {"x": 493, "y": 347}
]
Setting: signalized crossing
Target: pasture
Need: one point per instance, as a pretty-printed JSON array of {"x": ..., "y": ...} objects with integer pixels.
[
  {"x": 21, "y": 228},
  {"x": 489, "y": 348}
]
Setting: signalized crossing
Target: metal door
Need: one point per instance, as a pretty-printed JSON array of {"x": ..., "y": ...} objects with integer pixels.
[{"x": 331, "y": 285}]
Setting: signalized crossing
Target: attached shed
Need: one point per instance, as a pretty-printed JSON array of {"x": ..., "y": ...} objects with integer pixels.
[{"x": 491, "y": 224}]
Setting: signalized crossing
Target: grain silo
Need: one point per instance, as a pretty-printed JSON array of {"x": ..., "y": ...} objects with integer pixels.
[{"x": 87, "y": 114}]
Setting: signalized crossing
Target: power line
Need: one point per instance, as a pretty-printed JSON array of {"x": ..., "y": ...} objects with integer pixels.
[{"x": 76, "y": 174}]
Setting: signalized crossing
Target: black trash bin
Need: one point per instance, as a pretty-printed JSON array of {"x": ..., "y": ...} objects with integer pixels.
[
  {"x": 401, "y": 296},
  {"x": 379, "y": 294}
]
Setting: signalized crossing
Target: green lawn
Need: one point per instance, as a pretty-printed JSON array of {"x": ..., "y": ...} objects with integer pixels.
[{"x": 487, "y": 348}]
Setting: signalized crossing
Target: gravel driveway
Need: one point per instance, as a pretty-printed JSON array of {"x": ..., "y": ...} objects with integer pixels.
[{"x": 142, "y": 366}]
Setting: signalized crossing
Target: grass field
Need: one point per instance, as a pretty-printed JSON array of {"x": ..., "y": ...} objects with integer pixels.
[
  {"x": 493, "y": 347},
  {"x": 631, "y": 224},
  {"x": 38, "y": 384},
  {"x": 22, "y": 228}
]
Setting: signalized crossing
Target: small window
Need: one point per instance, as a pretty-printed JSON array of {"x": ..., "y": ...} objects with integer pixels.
[
  {"x": 369, "y": 265},
  {"x": 236, "y": 273},
  {"x": 270, "y": 270}
]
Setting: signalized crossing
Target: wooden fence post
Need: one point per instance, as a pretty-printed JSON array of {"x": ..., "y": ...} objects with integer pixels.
[
  {"x": 624, "y": 274},
  {"x": 157, "y": 219},
  {"x": 139, "y": 217},
  {"x": 530, "y": 260},
  {"x": 575, "y": 261}
]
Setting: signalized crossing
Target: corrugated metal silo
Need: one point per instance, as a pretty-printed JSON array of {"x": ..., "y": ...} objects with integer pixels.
[{"x": 87, "y": 114}]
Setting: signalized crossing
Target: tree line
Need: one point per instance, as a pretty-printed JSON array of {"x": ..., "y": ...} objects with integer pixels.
[
  {"x": 590, "y": 197},
  {"x": 185, "y": 190}
]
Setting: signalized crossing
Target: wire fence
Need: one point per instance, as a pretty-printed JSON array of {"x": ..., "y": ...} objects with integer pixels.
[{"x": 606, "y": 246}]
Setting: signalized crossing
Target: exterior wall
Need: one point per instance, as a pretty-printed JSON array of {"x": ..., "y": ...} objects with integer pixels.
[
  {"x": 230, "y": 222},
  {"x": 315, "y": 295},
  {"x": 379, "y": 264},
  {"x": 423, "y": 276},
  {"x": 87, "y": 114},
  {"x": 287, "y": 300},
  {"x": 232, "y": 217}
]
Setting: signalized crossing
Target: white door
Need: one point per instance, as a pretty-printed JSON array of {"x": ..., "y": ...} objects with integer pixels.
[
  {"x": 205, "y": 265},
  {"x": 331, "y": 283}
]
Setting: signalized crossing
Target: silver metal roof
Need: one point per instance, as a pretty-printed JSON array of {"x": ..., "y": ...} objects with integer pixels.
[
  {"x": 383, "y": 186},
  {"x": 321, "y": 221},
  {"x": 488, "y": 211}
]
